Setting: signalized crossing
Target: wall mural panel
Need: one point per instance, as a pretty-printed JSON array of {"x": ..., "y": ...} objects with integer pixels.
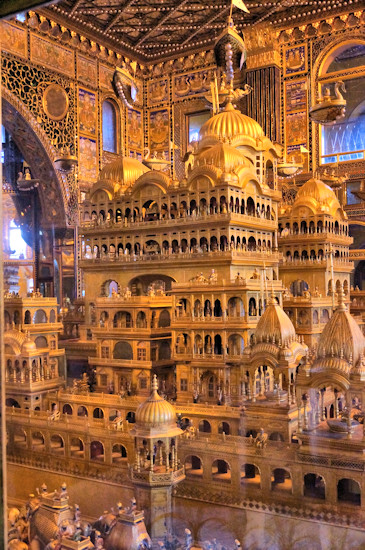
[
  {"x": 88, "y": 161},
  {"x": 105, "y": 77},
  {"x": 190, "y": 84},
  {"x": 53, "y": 56},
  {"x": 135, "y": 129},
  {"x": 159, "y": 129},
  {"x": 296, "y": 95},
  {"x": 87, "y": 70},
  {"x": 158, "y": 91},
  {"x": 295, "y": 60},
  {"x": 87, "y": 112},
  {"x": 296, "y": 119},
  {"x": 14, "y": 39}
]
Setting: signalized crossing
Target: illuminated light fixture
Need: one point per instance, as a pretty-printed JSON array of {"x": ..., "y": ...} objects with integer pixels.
[
  {"x": 125, "y": 86},
  {"x": 287, "y": 169},
  {"x": 65, "y": 161},
  {"x": 329, "y": 109},
  {"x": 154, "y": 162},
  {"x": 239, "y": 51},
  {"x": 25, "y": 182}
]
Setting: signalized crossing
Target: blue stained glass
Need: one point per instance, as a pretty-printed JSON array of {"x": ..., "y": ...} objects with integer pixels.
[{"x": 109, "y": 127}]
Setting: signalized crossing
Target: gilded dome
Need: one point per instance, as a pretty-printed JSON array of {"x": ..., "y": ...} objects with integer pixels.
[
  {"x": 155, "y": 412},
  {"x": 28, "y": 345},
  {"x": 230, "y": 123},
  {"x": 223, "y": 156},
  {"x": 123, "y": 172},
  {"x": 274, "y": 325},
  {"x": 316, "y": 194},
  {"x": 342, "y": 336}
]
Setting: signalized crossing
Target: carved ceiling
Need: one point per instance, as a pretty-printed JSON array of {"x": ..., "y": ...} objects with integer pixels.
[{"x": 150, "y": 30}]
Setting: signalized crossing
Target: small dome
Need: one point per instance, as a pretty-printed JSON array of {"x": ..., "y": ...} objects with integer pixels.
[
  {"x": 315, "y": 193},
  {"x": 223, "y": 156},
  {"x": 342, "y": 336},
  {"x": 230, "y": 123},
  {"x": 28, "y": 345},
  {"x": 274, "y": 325},
  {"x": 123, "y": 172},
  {"x": 155, "y": 412}
]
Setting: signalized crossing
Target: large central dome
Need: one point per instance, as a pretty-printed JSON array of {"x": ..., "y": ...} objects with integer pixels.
[{"x": 229, "y": 124}]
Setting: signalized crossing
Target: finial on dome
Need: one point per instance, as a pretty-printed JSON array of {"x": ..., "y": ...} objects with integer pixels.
[
  {"x": 341, "y": 301},
  {"x": 154, "y": 385},
  {"x": 272, "y": 300}
]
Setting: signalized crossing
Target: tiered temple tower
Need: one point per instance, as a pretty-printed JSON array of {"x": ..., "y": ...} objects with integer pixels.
[
  {"x": 213, "y": 236},
  {"x": 133, "y": 337},
  {"x": 34, "y": 363},
  {"x": 314, "y": 240}
]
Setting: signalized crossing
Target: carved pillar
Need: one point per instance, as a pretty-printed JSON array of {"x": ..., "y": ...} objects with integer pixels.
[
  {"x": 305, "y": 412},
  {"x": 299, "y": 405},
  {"x": 336, "y": 403},
  {"x": 318, "y": 408},
  {"x": 323, "y": 408}
]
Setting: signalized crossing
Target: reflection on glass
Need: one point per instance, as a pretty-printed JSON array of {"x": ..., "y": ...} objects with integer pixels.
[
  {"x": 351, "y": 56},
  {"x": 18, "y": 247},
  {"x": 195, "y": 122},
  {"x": 109, "y": 127},
  {"x": 346, "y": 139}
]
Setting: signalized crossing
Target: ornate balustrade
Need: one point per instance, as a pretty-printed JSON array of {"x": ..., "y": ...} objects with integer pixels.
[
  {"x": 317, "y": 262},
  {"x": 157, "y": 478},
  {"x": 216, "y": 218},
  {"x": 268, "y": 255},
  {"x": 316, "y": 236}
]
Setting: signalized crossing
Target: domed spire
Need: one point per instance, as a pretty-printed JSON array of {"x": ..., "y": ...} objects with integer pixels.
[
  {"x": 342, "y": 336},
  {"x": 319, "y": 197},
  {"x": 274, "y": 325},
  {"x": 155, "y": 414}
]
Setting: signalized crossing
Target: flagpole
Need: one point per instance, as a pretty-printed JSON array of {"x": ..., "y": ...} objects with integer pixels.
[{"x": 230, "y": 11}]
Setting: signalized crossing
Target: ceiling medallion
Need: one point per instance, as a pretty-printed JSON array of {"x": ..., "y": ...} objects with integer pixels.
[
  {"x": 329, "y": 109},
  {"x": 55, "y": 102}
]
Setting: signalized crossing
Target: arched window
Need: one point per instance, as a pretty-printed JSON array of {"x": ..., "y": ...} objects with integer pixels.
[
  {"x": 344, "y": 141},
  {"x": 109, "y": 127}
]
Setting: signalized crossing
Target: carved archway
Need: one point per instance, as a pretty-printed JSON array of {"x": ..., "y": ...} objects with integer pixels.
[{"x": 33, "y": 143}]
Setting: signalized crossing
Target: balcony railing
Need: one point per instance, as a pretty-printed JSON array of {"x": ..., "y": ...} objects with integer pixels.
[
  {"x": 268, "y": 255},
  {"x": 138, "y": 224}
]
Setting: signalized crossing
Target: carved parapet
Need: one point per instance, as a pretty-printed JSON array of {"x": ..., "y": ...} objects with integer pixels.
[
  {"x": 157, "y": 479},
  {"x": 70, "y": 544}
]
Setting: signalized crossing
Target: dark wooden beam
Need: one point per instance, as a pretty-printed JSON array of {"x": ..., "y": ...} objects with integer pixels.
[
  {"x": 116, "y": 18},
  {"x": 161, "y": 22},
  {"x": 205, "y": 24},
  {"x": 75, "y": 6}
]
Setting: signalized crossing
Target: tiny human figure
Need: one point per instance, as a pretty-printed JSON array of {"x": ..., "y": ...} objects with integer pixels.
[{"x": 196, "y": 395}]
